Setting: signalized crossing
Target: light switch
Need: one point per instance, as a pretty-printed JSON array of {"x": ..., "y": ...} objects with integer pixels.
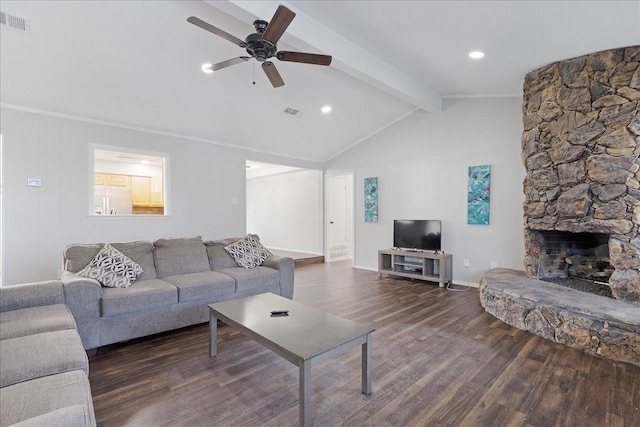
[{"x": 234, "y": 201}]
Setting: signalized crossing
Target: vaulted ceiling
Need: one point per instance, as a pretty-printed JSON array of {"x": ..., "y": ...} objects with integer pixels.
[{"x": 138, "y": 63}]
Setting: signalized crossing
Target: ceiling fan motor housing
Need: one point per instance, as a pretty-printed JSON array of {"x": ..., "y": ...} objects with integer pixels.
[{"x": 259, "y": 48}]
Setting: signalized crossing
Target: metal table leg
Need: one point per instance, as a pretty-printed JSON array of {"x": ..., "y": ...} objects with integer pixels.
[
  {"x": 213, "y": 335},
  {"x": 305, "y": 393},
  {"x": 366, "y": 365}
]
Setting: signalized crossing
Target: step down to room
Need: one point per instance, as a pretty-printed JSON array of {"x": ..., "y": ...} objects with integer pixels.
[{"x": 300, "y": 258}]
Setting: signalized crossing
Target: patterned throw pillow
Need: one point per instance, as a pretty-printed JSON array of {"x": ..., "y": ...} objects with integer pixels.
[
  {"x": 248, "y": 251},
  {"x": 112, "y": 268}
]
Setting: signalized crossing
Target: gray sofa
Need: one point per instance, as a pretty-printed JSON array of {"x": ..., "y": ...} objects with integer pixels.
[
  {"x": 43, "y": 365},
  {"x": 181, "y": 276}
]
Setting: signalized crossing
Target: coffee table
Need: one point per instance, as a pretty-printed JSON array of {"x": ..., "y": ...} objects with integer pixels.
[{"x": 304, "y": 337}]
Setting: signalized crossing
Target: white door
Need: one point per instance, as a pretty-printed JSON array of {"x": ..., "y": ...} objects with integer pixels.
[{"x": 338, "y": 226}]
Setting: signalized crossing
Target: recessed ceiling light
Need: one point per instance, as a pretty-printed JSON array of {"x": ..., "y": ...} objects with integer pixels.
[
  {"x": 326, "y": 109},
  {"x": 207, "y": 68},
  {"x": 476, "y": 54}
]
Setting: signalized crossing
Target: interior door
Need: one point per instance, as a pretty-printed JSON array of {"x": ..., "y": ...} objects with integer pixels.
[{"x": 337, "y": 236}]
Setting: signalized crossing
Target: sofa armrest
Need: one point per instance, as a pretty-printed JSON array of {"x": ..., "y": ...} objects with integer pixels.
[
  {"x": 82, "y": 295},
  {"x": 286, "y": 267},
  {"x": 31, "y": 295}
]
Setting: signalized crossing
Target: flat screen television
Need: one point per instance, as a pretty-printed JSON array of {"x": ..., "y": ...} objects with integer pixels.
[{"x": 417, "y": 234}]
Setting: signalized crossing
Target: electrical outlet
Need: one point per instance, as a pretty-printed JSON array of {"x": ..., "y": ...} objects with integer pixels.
[
  {"x": 465, "y": 262},
  {"x": 494, "y": 264}
]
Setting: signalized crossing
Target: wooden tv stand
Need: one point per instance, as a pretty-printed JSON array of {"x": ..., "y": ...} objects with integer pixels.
[{"x": 416, "y": 265}]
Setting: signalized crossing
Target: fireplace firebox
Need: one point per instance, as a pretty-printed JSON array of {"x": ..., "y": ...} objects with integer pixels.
[{"x": 569, "y": 255}]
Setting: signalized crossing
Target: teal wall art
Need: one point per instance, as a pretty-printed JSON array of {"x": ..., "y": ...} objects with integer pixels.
[
  {"x": 478, "y": 194},
  {"x": 371, "y": 199}
]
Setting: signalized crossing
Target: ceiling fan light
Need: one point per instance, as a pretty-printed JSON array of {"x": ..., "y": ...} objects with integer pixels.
[
  {"x": 207, "y": 68},
  {"x": 476, "y": 54}
]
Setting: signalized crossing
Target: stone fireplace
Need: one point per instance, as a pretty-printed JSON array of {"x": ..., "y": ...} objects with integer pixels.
[{"x": 580, "y": 148}]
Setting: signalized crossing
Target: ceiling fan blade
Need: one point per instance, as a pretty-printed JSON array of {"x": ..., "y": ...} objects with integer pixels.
[
  {"x": 272, "y": 73},
  {"x": 217, "y": 31},
  {"x": 307, "y": 58},
  {"x": 278, "y": 25},
  {"x": 229, "y": 62}
]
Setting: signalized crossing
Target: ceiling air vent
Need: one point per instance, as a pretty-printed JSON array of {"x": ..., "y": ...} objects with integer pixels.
[
  {"x": 15, "y": 22},
  {"x": 292, "y": 112}
]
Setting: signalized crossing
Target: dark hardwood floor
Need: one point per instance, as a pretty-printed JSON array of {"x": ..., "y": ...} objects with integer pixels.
[{"x": 438, "y": 360}]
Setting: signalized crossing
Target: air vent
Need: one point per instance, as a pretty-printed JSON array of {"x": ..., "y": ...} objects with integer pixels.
[
  {"x": 291, "y": 111},
  {"x": 15, "y": 22}
]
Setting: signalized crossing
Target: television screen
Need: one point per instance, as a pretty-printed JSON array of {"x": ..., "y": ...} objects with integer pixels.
[{"x": 420, "y": 234}]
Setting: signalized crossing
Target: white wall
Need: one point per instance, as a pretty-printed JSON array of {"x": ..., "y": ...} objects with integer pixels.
[
  {"x": 285, "y": 210},
  {"x": 40, "y": 222},
  {"x": 422, "y": 162}
]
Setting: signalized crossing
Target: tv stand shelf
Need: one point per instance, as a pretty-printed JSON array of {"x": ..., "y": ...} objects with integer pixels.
[{"x": 416, "y": 265}]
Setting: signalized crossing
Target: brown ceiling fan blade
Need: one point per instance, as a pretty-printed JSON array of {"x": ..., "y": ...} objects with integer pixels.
[
  {"x": 229, "y": 62},
  {"x": 272, "y": 73},
  {"x": 278, "y": 25},
  {"x": 307, "y": 58},
  {"x": 217, "y": 31}
]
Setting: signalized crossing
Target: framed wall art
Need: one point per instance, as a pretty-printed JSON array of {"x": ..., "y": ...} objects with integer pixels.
[
  {"x": 371, "y": 199},
  {"x": 479, "y": 194}
]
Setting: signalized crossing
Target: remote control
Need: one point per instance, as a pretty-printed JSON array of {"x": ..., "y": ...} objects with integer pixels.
[{"x": 280, "y": 312}]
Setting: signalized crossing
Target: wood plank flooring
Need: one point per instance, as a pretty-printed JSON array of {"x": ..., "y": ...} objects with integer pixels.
[{"x": 438, "y": 360}]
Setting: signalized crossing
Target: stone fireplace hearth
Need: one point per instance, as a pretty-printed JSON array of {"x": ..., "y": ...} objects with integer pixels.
[{"x": 581, "y": 149}]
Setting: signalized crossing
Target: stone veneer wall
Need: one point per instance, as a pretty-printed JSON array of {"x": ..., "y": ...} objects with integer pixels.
[{"x": 580, "y": 147}]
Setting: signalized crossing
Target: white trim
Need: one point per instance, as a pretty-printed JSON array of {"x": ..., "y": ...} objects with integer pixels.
[
  {"x": 153, "y": 131},
  {"x": 502, "y": 95},
  {"x": 463, "y": 283},
  {"x": 361, "y": 267},
  {"x": 402, "y": 117}
]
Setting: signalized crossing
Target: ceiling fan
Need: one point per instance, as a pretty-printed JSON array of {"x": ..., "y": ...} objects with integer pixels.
[{"x": 262, "y": 45}]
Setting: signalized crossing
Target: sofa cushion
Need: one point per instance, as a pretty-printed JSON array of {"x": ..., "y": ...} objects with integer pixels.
[
  {"x": 142, "y": 253},
  {"x": 77, "y": 256},
  {"x": 248, "y": 251},
  {"x": 258, "y": 278},
  {"x": 16, "y": 297},
  {"x": 30, "y": 399},
  {"x": 35, "y": 320},
  {"x": 75, "y": 415},
  {"x": 206, "y": 285},
  {"x": 142, "y": 295},
  {"x": 218, "y": 256},
  {"x": 180, "y": 256},
  {"x": 39, "y": 355},
  {"x": 112, "y": 268}
]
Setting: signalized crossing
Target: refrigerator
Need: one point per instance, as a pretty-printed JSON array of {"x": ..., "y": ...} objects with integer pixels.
[{"x": 113, "y": 200}]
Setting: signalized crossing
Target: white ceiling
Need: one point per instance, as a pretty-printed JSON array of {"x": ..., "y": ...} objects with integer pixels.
[{"x": 137, "y": 63}]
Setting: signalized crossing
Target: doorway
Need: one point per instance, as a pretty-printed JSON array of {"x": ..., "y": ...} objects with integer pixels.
[
  {"x": 339, "y": 217},
  {"x": 284, "y": 207}
]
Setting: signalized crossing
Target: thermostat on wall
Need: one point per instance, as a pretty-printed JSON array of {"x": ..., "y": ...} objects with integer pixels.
[{"x": 34, "y": 182}]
